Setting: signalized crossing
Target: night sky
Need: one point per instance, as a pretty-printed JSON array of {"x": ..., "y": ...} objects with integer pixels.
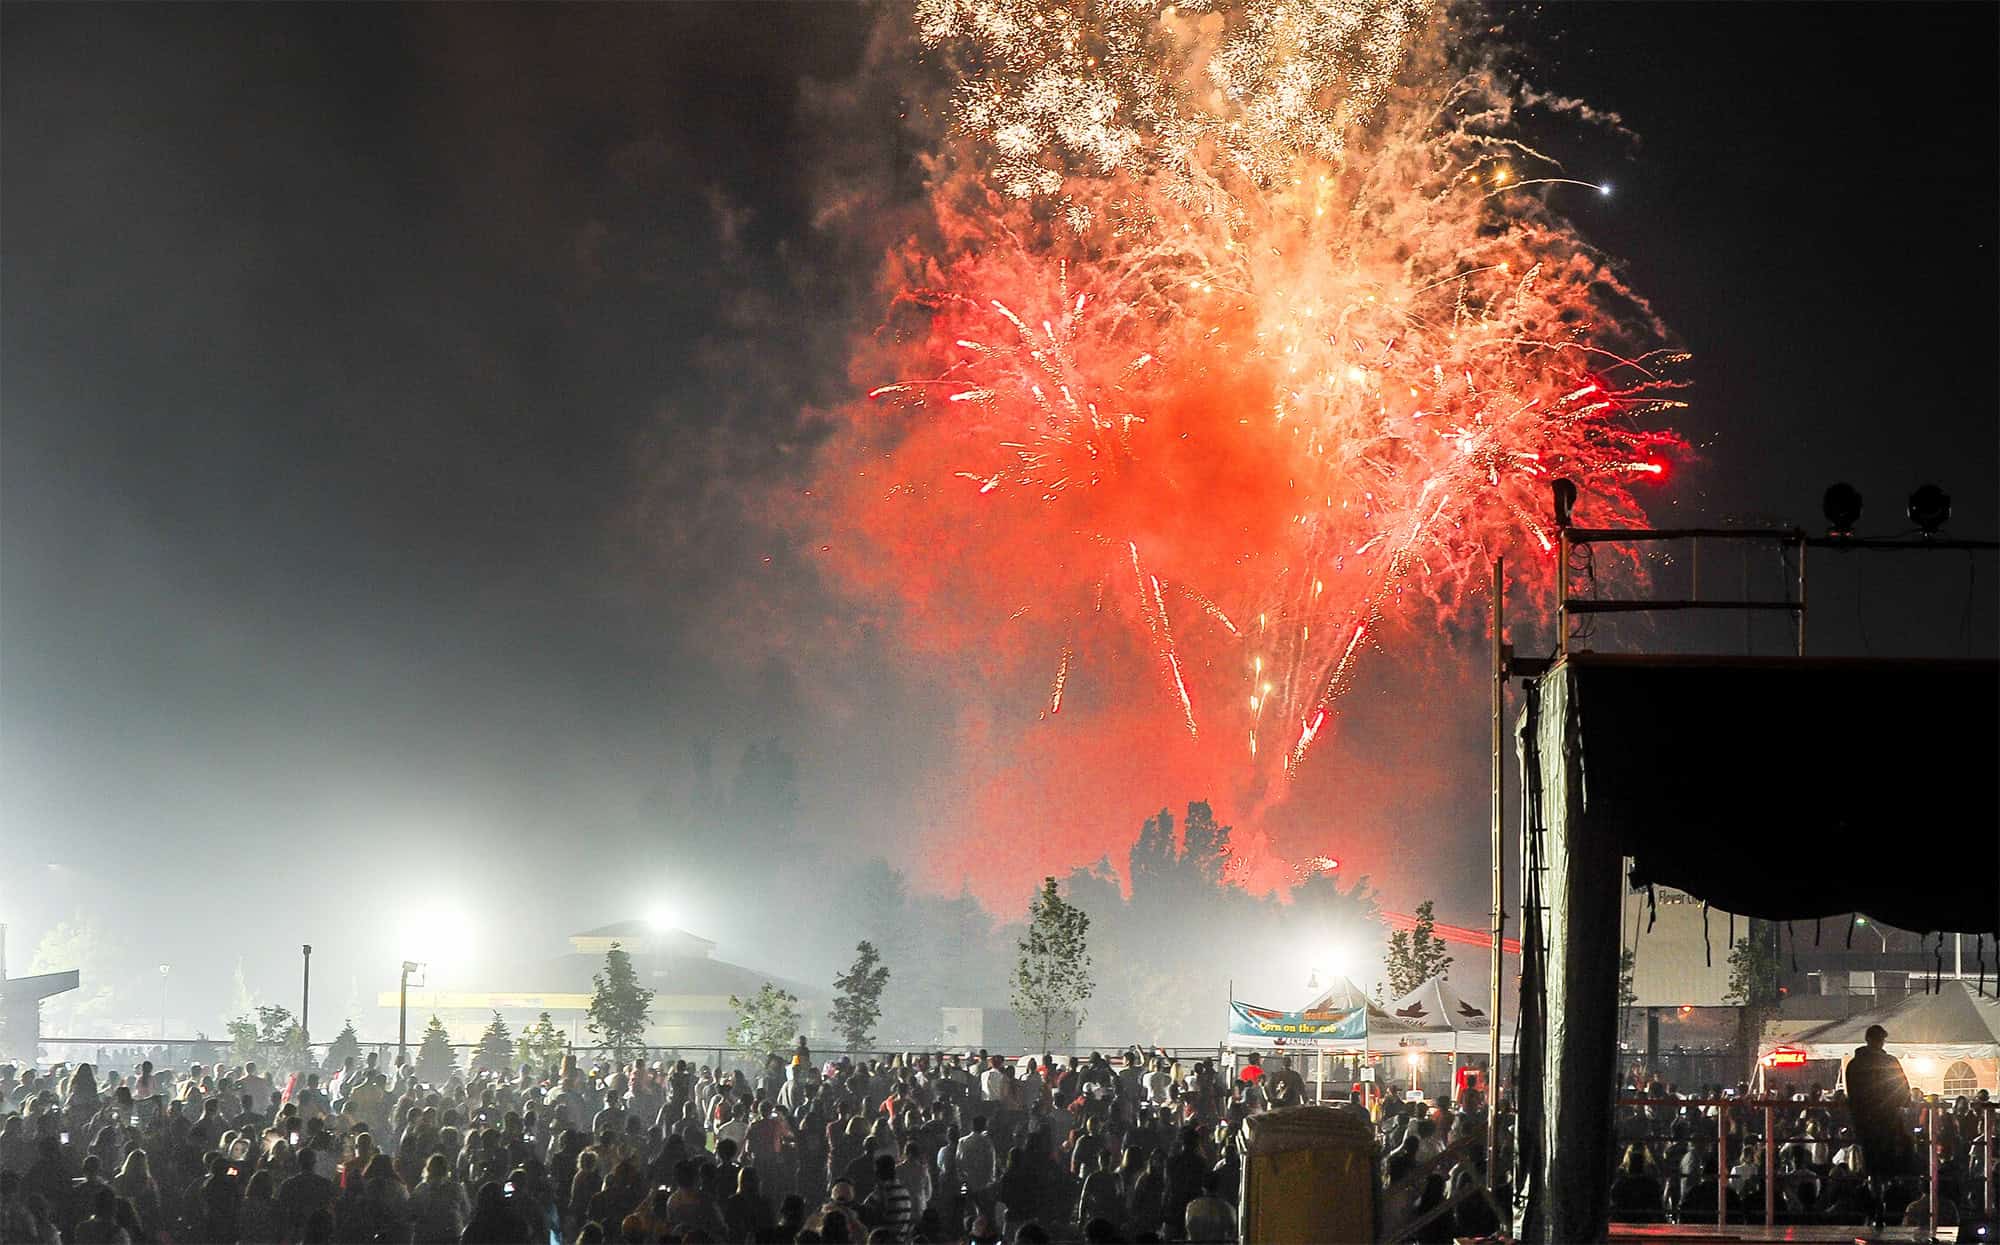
[{"x": 388, "y": 396}]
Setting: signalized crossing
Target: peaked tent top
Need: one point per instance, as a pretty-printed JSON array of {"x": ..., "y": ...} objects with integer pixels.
[
  {"x": 1340, "y": 995},
  {"x": 1434, "y": 1007},
  {"x": 1956, "y": 1021}
]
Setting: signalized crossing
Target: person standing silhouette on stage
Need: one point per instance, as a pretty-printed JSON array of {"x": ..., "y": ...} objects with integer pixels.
[{"x": 1877, "y": 1092}]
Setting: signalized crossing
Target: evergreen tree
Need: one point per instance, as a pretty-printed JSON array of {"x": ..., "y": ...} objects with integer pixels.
[
  {"x": 346, "y": 1045},
  {"x": 1205, "y": 846},
  {"x": 859, "y": 1002},
  {"x": 541, "y": 1044},
  {"x": 1184, "y": 869},
  {"x": 767, "y": 1023},
  {"x": 618, "y": 1008},
  {"x": 1416, "y": 955},
  {"x": 1151, "y": 862},
  {"x": 1052, "y": 979},
  {"x": 435, "y": 1061},
  {"x": 495, "y": 1052}
]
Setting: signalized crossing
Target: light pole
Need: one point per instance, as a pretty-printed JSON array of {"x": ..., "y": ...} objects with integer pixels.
[
  {"x": 1879, "y": 932},
  {"x": 164, "y": 970},
  {"x": 403, "y": 1014},
  {"x": 306, "y": 998}
]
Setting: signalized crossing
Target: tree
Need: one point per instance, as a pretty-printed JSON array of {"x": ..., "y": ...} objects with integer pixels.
[
  {"x": 541, "y": 1044},
  {"x": 1205, "y": 845},
  {"x": 1753, "y": 984},
  {"x": 1627, "y": 995},
  {"x": 273, "y": 1023},
  {"x": 280, "y": 1044},
  {"x": 1199, "y": 862},
  {"x": 346, "y": 1045},
  {"x": 242, "y": 1041},
  {"x": 76, "y": 944},
  {"x": 435, "y": 1061},
  {"x": 765, "y": 1024},
  {"x": 1153, "y": 856},
  {"x": 1052, "y": 979},
  {"x": 1416, "y": 955},
  {"x": 495, "y": 1052},
  {"x": 618, "y": 1008},
  {"x": 353, "y": 1006},
  {"x": 859, "y": 1002}
]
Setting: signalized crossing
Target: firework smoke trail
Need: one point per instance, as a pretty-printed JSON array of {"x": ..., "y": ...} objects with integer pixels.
[{"x": 1266, "y": 301}]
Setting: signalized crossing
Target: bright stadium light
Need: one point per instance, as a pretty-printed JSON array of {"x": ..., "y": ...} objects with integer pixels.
[
  {"x": 660, "y": 917},
  {"x": 436, "y": 934}
]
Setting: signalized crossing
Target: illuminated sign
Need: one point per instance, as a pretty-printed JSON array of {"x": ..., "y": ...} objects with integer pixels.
[{"x": 1785, "y": 1057}]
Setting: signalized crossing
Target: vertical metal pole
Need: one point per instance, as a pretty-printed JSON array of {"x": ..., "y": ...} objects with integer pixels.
[
  {"x": 1562, "y": 592},
  {"x": 1931, "y": 1151},
  {"x": 403, "y": 1018},
  {"x": 1749, "y": 641},
  {"x": 1992, "y": 1152},
  {"x": 1495, "y": 963},
  {"x": 164, "y": 970},
  {"x": 1770, "y": 1166},
  {"x": 306, "y": 994},
  {"x": 1799, "y": 615},
  {"x": 1722, "y": 1166}
]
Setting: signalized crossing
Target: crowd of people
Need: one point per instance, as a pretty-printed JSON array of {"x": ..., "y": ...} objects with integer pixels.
[
  {"x": 1842, "y": 1156},
  {"x": 929, "y": 1147}
]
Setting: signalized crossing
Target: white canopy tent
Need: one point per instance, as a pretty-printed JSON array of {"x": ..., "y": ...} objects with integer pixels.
[
  {"x": 1340, "y": 996},
  {"x": 1434, "y": 1016},
  {"x": 1952, "y": 1035}
]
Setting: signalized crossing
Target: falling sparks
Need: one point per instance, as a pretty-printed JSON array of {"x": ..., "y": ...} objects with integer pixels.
[{"x": 1268, "y": 300}]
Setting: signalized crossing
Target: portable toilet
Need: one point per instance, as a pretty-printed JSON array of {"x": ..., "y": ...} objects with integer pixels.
[{"x": 1308, "y": 1176}]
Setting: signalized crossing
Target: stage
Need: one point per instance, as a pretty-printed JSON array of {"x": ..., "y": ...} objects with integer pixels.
[{"x": 1752, "y": 1234}]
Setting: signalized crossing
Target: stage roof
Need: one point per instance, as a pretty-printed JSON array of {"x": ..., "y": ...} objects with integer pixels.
[{"x": 1793, "y": 788}]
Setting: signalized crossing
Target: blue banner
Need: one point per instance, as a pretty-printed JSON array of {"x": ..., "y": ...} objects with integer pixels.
[{"x": 1246, "y": 1020}]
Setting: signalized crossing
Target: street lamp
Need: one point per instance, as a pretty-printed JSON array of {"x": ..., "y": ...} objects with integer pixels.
[
  {"x": 1879, "y": 932},
  {"x": 164, "y": 970},
  {"x": 403, "y": 1013}
]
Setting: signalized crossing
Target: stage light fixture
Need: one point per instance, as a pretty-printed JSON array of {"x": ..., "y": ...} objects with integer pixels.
[
  {"x": 1930, "y": 508},
  {"x": 1841, "y": 504}
]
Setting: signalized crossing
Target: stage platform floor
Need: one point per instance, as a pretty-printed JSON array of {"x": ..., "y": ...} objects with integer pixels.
[{"x": 1757, "y": 1234}]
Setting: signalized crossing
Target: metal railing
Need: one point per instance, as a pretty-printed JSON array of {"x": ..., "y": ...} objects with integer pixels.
[
  {"x": 1772, "y": 1143},
  {"x": 1791, "y": 541}
]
